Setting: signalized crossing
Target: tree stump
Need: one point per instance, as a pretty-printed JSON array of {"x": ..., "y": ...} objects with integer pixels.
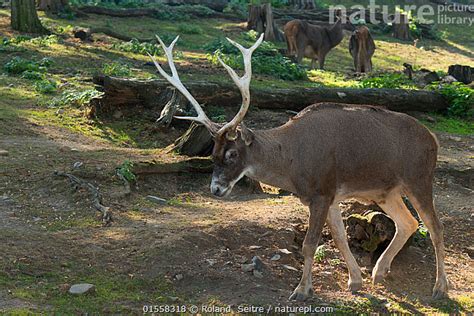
[
  {"x": 53, "y": 6},
  {"x": 261, "y": 20},
  {"x": 401, "y": 28},
  {"x": 196, "y": 141},
  {"x": 462, "y": 73},
  {"x": 176, "y": 101}
]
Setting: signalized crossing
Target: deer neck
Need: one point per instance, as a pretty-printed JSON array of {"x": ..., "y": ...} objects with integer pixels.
[
  {"x": 267, "y": 161},
  {"x": 335, "y": 33}
]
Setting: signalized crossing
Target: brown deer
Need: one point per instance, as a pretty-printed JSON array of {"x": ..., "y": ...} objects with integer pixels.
[
  {"x": 312, "y": 41},
  {"x": 362, "y": 48},
  {"x": 327, "y": 153}
]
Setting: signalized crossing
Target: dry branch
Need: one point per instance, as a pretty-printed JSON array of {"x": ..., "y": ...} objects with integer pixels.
[
  {"x": 96, "y": 196},
  {"x": 85, "y": 34}
]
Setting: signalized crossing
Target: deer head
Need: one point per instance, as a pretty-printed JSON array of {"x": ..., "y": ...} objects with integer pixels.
[{"x": 231, "y": 140}]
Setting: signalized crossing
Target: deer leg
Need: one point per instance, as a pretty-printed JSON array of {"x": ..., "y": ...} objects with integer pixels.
[
  {"x": 300, "y": 51},
  {"x": 318, "y": 211},
  {"x": 336, "y": 225},
  {"x": 424, "y": 206},
  {"x": 405, "y": 225},
  {"x": 321, "y": 59}
]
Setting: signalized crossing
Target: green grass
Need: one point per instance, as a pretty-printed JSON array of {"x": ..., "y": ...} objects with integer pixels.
[{"x": 451, "y": 125}]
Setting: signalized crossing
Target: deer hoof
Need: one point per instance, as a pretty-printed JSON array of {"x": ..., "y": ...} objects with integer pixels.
[
  {"x": 300, "y": 295},
  {"x": 379, "y": 274},
  {"x": 440, "y": 290},
  {"x": 354, "y": 286}
]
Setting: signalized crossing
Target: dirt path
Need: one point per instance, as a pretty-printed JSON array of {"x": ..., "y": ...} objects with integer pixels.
[{"x": 191, "y": 250}]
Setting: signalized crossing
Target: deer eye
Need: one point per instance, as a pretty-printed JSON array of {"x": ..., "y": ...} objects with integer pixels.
[{"x": 231, "y": 154}]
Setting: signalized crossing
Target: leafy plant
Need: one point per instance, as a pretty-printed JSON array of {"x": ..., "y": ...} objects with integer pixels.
[
  {"x": 116, "y": 70},
  {"x": 126, "y": 170},
  {"x": 75, "y": 98},
  {"x": 32, "y": 75},
  {"x": 134, "y": 46},
  {"x": 460, "y": 98},
  {"x": 45, "y": 86},
  {"x": 18, "y": 65},
  {"x": 45, "y": 40},
  {"x": 390, "y": 80},
  {"x": 320, "y": 253}
]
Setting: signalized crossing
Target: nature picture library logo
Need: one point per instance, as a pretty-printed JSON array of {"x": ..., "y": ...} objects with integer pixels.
[{"x": 449, "y": 13}]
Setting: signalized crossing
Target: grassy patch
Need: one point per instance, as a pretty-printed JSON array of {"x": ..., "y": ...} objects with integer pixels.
[{"x": 451, "y": 125}]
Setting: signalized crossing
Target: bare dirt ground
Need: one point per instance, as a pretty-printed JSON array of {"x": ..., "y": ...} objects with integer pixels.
[{"x": 191, "y": 249}]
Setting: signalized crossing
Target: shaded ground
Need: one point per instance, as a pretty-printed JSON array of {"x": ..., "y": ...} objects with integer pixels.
[{"x": 51, "y": 237}]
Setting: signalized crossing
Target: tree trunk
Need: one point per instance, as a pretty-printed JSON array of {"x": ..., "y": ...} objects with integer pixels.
[
  {"x": 24, "y": 17},
  {"x": 130, "y": 93},
  {"x": 53, "y": 6},
  {"x": 401, "y": 29},
  {"x": 255, "y": 20},
  {"x": 462, "y": 73}
]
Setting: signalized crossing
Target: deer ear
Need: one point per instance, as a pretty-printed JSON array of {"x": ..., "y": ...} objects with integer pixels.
[{"x": 246, "y": 135}]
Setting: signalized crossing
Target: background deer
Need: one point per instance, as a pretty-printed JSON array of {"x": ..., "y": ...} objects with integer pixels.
[
  {"x": 313, "y": 41},
  {"x": 327, "y": 153},
  {"x": 362, "y": 48}
]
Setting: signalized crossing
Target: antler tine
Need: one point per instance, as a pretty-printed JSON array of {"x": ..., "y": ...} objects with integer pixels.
[
  {"x": 242, "y": 82},
  {"x": 176, "y": 82}
]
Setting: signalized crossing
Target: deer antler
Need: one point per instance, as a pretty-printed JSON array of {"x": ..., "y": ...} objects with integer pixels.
[
  {"x": 242, "y": 82},
  {"x": 176, "y": 82}
]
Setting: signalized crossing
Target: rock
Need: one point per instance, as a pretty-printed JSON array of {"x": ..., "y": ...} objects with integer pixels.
[
  {"x": 257, "y": 263},
  {"x": 288, "y": 267},
  {"x": 211, "y": 262},
  {"x": 77, "y": 164},
  {"x": 455, "y": 138},
  {"x": 179, "y": 277},
  {"x": 82, "y": 288},
  {"x": 257, "y": 274},
  {"x": 275, "y": 257},
  {"x": 248, "y": 267},
  {"x": 284, "y": 251},
  {"x": 3, "y": 153},
  {"x": 255, "y": 247},
  {"x": 59, "y": 112},
  {"x": 173, "y": 298},
  {"x": 156, "y": 199},
  {"x": 449, "y": 79}
]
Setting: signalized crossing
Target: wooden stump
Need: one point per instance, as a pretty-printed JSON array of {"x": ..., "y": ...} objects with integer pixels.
[
  {"x": 176, "y": 101},
  {"x": 401, "y": 28},
  {"x": 462, "y": 73},
  {"x": 261, "y": 20},
  {"x": 196, "y": 141}
]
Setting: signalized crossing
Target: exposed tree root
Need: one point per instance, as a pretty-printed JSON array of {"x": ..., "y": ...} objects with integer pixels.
[{"x": 96, "y": 196}]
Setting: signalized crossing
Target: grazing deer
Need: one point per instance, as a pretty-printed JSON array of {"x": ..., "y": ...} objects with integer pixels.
[
  {"x": 312, "y": 41},
  {"x": 362, "y": 48},
  {"x": 327, "y": 153}
]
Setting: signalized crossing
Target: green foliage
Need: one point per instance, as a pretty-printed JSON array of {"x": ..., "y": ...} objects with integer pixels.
[
  {"x": 134, "y": 46},
  {"x": 75, "y": 98},
  {"x": 32, "y": 75},
  {"x": 126, "y": 171},
  {"x": 45, "y": 86},
  {"x": 320, "y": 253},
  {"x": 189, "y": 28},
  {"x": 452, "y": 125},
  {"x": 266, "y": 59},
  {"x": 389, "y": 80},
  {"x": 217, "y": 114},
  {"x": 19, "y": 65},
  {"x": 116, "y": 70},
  {"x": 460, "y": 97},
  {"x": 45, "y": 40}
]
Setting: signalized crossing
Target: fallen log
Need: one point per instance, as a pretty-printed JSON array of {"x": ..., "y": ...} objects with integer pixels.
[
  {"x": 130, "y": 93},
  {"x": 85, "y": 34}
]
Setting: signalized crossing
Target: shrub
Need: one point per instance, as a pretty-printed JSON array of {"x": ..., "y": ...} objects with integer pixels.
[
  {"x": 126, "y": 171},
  {"x": 266, "y": 59},
  {"x": 18, "y": 65},
  {"x": 45, "y": 40},
  {"x": 75, "y": 98},
  {"x": 45, "y": 86},
  {"x": 460, "y": 98},
  {"x": 116, "y": 70},
  {"x": 134, "y": 46},
  {"x": 32, "y": 75},
  {"x": 391, "y": 81}
]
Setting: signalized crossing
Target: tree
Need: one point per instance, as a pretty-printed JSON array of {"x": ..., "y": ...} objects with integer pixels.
[
  {"x": 53, "y": 6},
  {"x": 24, "y": 17}
]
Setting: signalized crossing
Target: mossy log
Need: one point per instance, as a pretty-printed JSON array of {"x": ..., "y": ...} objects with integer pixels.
[{"x": 132, "y": 93}]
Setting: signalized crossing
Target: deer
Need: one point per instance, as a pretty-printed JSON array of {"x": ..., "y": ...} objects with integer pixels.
[
  {"x": 313, "y": 41},
  {"x": 362, "y": 48},
  {"x": 327, "y": 153}
]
